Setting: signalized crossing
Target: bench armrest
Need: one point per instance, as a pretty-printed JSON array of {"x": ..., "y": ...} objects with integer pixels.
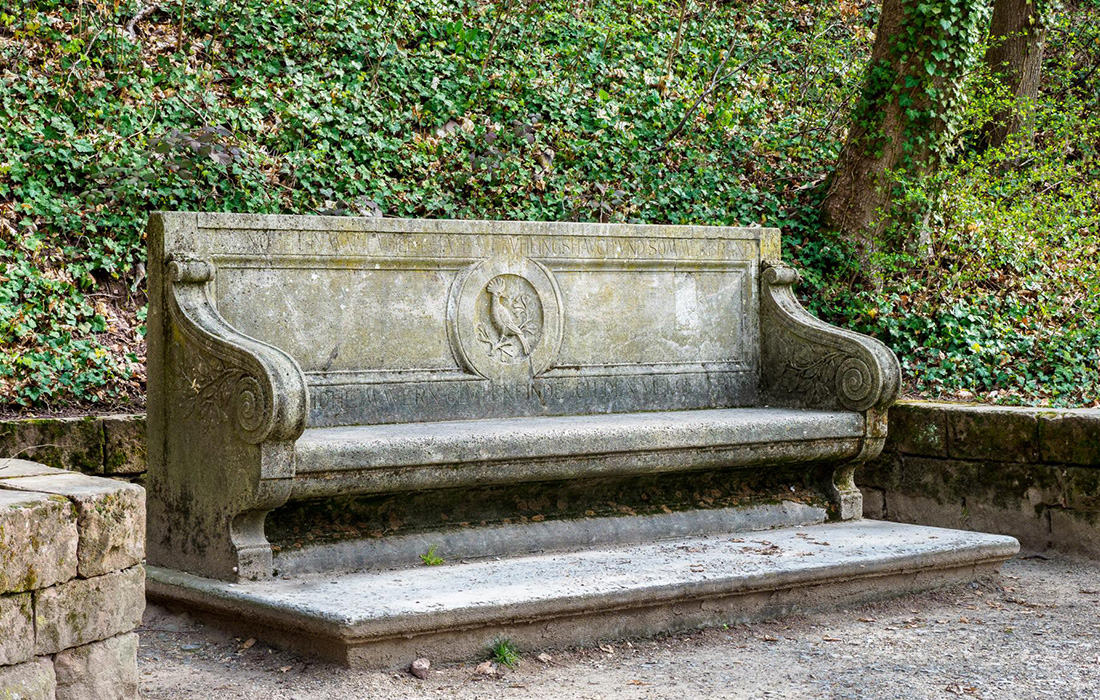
[
  {"x": 808, "y": 363},
  {"x": 258, "y": 387}
]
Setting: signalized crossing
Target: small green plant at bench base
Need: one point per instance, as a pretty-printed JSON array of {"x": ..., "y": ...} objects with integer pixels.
[
  {"x": 504, "y": 652},
  {"x": 431, "y": 558}
]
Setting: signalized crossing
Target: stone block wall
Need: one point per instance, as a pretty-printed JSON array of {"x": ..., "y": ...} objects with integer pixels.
[
  {"x": 98, "y": 445},
  {"x": 72, "y": 586},
  {"x": 1031, "y": 473}
]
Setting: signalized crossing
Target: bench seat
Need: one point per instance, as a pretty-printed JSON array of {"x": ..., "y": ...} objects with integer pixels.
[{"x": 408, "y": 456}]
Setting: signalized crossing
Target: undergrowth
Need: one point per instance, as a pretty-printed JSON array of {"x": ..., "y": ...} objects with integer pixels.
[
  {"x": 505, "y": 652},
  {"x": 590, "y": 111}
]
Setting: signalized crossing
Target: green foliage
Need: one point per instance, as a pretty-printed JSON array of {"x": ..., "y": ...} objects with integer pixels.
[
  {"x": 909, "y": 113},
  {"x": 1007, "y": 305},
  {"x": 448, "y": 108},
  {"x": 523, "y": 110},
  {"x": 934, "y": 49},
  {"x": 505, "y": 652},
  {"x": 430, "y": 558}
]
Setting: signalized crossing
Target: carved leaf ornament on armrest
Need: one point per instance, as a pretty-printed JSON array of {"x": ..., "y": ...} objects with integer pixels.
[
  {"x": 228, "y": 375},
  {"x": 809, "y": 363}
]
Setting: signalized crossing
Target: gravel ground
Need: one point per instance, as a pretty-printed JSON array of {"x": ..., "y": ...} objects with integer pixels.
[{"x": 1033, "y": 632}]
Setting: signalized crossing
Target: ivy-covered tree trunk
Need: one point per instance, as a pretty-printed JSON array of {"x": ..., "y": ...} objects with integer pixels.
[
  {"x": 902, "y": 123},
  {"x": 1015, "y": 58}
]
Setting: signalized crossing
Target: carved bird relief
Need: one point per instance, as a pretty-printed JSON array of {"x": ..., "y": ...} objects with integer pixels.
[{"x": 509, "y": 316}]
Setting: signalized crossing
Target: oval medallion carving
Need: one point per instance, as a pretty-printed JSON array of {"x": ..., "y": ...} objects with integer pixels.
[{"x": 505, "y": 318}]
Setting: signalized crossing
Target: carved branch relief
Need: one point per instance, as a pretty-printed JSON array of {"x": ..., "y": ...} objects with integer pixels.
[
  {"x": 226, "y": 375},
  {"x": 806, "y": 362},
  {"x": 216, "y": 390}
]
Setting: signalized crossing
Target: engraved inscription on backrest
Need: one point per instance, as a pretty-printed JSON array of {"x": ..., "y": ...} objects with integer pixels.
[{"x": 410, "y": 320}]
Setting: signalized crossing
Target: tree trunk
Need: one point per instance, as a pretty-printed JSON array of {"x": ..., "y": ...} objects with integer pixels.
[
  {"x": 1015, "y": 58},
  {"x": 903, "y": 118}
]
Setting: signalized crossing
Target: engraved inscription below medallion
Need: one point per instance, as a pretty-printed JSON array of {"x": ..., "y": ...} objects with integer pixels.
[
  {"x": 505, "y": 318},
  {"x": 509, "y": 316}
]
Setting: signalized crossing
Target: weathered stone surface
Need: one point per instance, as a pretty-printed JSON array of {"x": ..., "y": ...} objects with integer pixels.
[
  {"x": 993, "y": 433},
  {"x": 75, "y": 444},
  {"x": 517, "y": 539},
  {"x": 1020, "y": 519},
  {"x": 33, "y": 680},
  {"x": 640, "y": 301},
  {"x": 883, "y": 472},
  {"x": 652, "y": 335},
  {"x": 1033, "y": 473},
  {"x": 38, "y": 540},
  {"x": 939, "y": 479},
  {"x": 104, "y": 670},
  {"x": 918, "y": 428},
  {"x": 110, "y": 514},
  {"x": 1080, "y": 490},
  {"x": 1027, "y": 523},
  {"x": 902, "y": 507},
  {"x": 1070, "y": 437},
  {"x": 124, "y": 450},
  {"x": 16, "y": 629},
  {"x": 874, "y": 503},
  {"x": 805, "y": 363},
  {"x": 1075, "y": 531},
  {"x": 521, "y": 449},
  {"x": 15, "y": 468},
  {"x": 82, "y": 611},
  {"x": 377, "y": 618}
]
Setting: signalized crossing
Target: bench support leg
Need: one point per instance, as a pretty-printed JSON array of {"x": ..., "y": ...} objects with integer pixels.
[
  {"x": 841, "y": 484},
  {"x": 846, "y": 497}
]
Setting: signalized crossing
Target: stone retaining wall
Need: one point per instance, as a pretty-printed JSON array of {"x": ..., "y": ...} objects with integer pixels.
[
  {"x": 1027, "y": 472},
  {"x": 72, "y": 587},
  {"x": 100, "y": 445}
]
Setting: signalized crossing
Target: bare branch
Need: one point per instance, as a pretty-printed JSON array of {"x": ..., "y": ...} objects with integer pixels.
[{"x": 715, "y": 81}]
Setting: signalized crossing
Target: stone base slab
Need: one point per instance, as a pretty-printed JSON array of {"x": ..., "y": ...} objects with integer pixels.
[{"x": 451, "y": 612}]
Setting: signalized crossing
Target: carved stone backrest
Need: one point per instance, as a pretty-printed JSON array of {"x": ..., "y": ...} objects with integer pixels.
[{"x": 388, "y": 320}]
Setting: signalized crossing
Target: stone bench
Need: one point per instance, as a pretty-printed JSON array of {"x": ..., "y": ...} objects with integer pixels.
[
  {"x": 304, "y": 357},
  {"x": 342, "y": 394}
]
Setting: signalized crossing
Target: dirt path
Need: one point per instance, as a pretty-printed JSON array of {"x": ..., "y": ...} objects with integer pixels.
[{"x": 1032, "y": 633}]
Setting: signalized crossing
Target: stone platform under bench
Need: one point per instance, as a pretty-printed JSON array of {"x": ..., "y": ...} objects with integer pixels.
[
  {"x": 454, "y": 611},
  {"x": 72, "y": 587},
  {"x": 372, "y": 439}
]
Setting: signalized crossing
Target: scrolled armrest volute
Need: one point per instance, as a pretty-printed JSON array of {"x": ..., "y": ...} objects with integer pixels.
[
  {"x": 228, "y": 375},
  {"x": 808, "y": 363}
]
